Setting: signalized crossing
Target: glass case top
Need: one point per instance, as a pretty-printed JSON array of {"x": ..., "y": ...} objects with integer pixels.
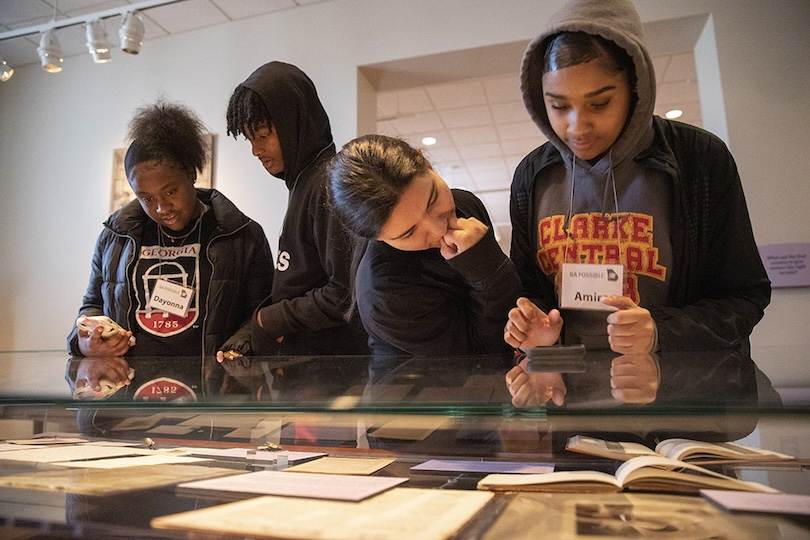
[{"x": 548, "y": 382}]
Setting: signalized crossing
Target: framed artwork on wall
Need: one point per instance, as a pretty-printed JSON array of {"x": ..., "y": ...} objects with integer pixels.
[{"x": 120, "y": 194}]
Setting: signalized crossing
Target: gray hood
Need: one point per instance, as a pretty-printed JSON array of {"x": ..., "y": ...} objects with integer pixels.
[{"x": 617, "y": 21}]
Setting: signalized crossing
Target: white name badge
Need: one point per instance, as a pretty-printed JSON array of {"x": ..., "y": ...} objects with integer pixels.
[
  {"x": 584, "y": 285},
  {"x": 171, "y": 297}
]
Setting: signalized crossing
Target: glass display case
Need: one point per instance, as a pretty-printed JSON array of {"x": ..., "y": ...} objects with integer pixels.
[{"x": 86, "y": 460}]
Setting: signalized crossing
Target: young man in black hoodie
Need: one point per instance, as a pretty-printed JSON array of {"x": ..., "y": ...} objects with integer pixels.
[{"x": 278, "y": 110}]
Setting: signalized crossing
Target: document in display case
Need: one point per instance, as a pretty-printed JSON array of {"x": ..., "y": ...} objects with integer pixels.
[
  {"x": 397, "y": 514},
  {"x": 643, "y": 473},
  {"x": 679, "y": 449}
]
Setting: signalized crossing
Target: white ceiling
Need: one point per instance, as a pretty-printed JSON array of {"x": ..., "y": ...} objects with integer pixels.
[
  {"x": 174, "y": 18},
  {"x": 481, "y": 125}
]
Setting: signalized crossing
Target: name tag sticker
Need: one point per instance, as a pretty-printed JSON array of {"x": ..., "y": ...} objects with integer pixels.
[
  {"x": 171, "y": 297},
  {"x": 583, "y": 285}
]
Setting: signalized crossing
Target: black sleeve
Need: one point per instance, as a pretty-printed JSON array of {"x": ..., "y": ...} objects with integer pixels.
[
  {"x": 534, "y": 286},
  {"x": 729, "y": 289},
  {"x": 323, "y": 306},
  {"x": 92, "y": 303},
  {"x": 491, "y": 275}
]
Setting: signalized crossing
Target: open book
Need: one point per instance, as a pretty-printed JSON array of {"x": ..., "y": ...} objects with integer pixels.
[
  {"x": 678, "y": 449},
  {"x": 643, "y": 473}
]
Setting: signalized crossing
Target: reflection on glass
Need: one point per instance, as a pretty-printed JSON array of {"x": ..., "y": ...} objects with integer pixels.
[{"x": 712, "y": 395}]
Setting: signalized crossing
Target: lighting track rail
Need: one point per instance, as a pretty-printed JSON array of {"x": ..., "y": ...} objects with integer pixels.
[
  {"x": 83, "y": 19},
  {"x": 50, "y": 51}
]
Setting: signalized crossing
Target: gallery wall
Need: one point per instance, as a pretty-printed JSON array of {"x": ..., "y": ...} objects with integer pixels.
[{"x": 58, "y": 131}]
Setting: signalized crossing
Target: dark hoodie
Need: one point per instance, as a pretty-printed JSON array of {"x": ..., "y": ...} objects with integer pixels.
[
  {"x": 310, "y": 288},
  {"x": 685, "y": 242}
]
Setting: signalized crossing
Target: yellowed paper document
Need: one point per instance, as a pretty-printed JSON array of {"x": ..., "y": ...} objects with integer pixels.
[
  {"x": 337, "y": 465},
  {"x": 398, "y": 514},
  {"x": 314, "y": 486}
]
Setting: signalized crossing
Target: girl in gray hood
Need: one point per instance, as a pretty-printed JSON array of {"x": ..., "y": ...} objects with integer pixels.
[{"x": 617, "y": 185}]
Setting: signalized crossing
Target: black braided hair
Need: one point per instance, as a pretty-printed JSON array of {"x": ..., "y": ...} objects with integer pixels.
[{"x": 246, "y": 111}]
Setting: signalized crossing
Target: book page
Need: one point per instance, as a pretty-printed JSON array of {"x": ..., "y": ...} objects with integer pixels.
[
  {"x": 614, "y": 516},
  {"x": 608, "y": 449},
  {"x": 130, "y": 461},
  {"x": 555, "y": 481},
  {"x": 98, "y": 481},
  {"x": 682, "y": 449},
  {"x": 48, "y": 440},
  {"x": 51, "y": 454},
  {"x": 669, "y": 473},
  {"x": 336, "y": 465},
  {"x": 398, "y": 514},
  {"x": 6, "y": 446},
  {"x": 315, "y": 486},
  {"x": 254, "y": 455}
]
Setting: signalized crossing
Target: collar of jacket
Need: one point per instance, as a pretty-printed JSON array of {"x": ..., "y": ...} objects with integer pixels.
[{"x": 130, "y": 218}]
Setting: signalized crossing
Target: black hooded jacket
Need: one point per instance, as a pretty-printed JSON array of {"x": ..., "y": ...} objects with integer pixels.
[
  {"x": 310, "y": 288},
  {"x": 718, "y": 288}
]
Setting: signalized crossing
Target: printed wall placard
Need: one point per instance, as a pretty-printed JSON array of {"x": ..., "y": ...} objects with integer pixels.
[{"x": 786, "y": 264}]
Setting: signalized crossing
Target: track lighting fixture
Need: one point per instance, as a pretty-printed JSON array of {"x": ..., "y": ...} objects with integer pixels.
[
  {"x": 97, "y": 42},
  {"x": 131, "y": 32},
  {"x": 6, "y": 71},
  {"x": 50, "y": 52}
]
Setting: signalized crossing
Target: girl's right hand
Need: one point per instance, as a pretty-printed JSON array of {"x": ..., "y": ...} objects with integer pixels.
[
  {"x": 528, "y": 326},
  {"x": 462, "y": 234}
]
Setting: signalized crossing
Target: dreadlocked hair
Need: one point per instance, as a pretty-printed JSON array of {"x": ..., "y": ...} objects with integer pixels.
[
  {"x": 168, "y": 132},
  {"x": 246, "y": 111}
]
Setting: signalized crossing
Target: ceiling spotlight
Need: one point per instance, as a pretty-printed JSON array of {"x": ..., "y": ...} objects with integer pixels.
[
  {"x": 97, "y": 42},
  {"x": 674, "y": 113},
  {"x": 6, "y": 71},
  {"x": 429, "y": 141},
  {"x": 131, "y": 32},
  {"x": 50, "y": 53}
]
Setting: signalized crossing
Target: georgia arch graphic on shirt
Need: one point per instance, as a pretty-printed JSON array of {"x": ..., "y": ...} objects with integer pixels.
[
  {"x": 624, "y": 238},
  {"x": 178, "y": 264}
]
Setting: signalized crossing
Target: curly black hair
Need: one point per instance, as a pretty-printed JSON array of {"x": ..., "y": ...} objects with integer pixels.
[{"x": 167, "y": 132}]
